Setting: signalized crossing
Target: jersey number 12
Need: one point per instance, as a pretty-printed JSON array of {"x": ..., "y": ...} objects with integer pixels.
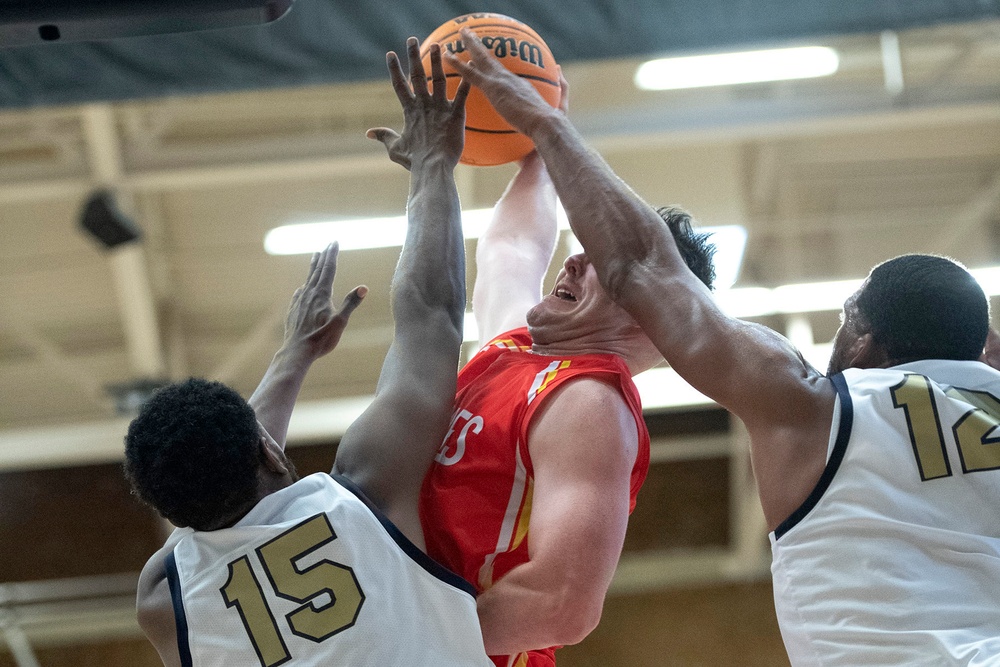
[
  {"x": 975, "y": 432},
  {"x": 278, "y": 558}
]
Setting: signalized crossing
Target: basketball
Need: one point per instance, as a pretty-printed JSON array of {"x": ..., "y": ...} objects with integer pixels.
[{"x": 489, "y": 140}]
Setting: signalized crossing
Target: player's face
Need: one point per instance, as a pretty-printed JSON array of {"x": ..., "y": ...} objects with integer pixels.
[{"x": 579, "y": 310}]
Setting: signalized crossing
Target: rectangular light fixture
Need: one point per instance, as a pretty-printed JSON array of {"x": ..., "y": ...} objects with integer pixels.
[
  {"x": 357, "y": 233},
  {"x": 388, "y": 232},
  {"x": 722, "y": 69}
]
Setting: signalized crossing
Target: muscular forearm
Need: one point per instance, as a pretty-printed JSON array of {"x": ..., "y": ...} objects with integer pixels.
[
  {"x": 433, "y": 240},
  {"x": 618, "y": 229},
  {"x": 526, "y": 213},
  {"x": 275, "y": 396},
  {"x": 515, "y": 251},
  {"x": 524, "y": 611}
]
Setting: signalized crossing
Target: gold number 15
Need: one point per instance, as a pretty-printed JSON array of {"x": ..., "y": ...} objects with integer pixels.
[{"x": 278, "y": 558}]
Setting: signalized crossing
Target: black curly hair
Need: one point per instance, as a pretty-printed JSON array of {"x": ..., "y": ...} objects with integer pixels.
[
  {"x": 193, "y": 453},
  {"x": 925, "y": 307},
  {"x": 694, "y": 247}
]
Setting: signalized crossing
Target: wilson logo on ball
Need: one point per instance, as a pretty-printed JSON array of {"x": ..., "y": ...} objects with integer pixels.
[
  {"x": 502, "y": 47},
  {"x": 489, "y": 139}
]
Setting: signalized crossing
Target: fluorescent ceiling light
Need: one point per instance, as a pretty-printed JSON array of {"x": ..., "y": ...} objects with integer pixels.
[
  {"x": 786, "y": 299},
  {"x": 357, "y": 233},
  {"x": 724, "y": 69},
  {"x": 365, "y": 233},
  {"x": 815, "y": 297}
]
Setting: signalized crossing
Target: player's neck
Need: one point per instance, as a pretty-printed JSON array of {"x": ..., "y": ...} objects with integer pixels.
[{"x": 636, "y": 357}]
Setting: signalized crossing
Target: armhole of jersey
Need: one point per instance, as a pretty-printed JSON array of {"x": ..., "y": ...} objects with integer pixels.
[
  {"x": 409, "y": 548},
  {"x": 836, "y": 456},
  {"x": 180, "y": 619},
  {"x": 612, "y": 379}
]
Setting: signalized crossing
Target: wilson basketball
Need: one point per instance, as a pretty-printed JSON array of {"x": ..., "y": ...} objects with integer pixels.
[{"x": 489, "y": 140}]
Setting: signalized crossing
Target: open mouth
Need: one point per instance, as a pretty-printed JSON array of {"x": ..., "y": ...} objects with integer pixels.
[{"x": 564, "y": 294}]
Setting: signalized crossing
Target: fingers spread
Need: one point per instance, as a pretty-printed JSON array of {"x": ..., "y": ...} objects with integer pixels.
[
  {"x": 437, "y": 74},
  {"x": 418, "y": 79},
  {"x": 474, "y": 45},
  {"x": 384, "y": 135},
  {"x": 463, "y": 67},
  {"x": 397, "y": 78},
  {"x": 352, "y": 301},
  {"x": 462, "y": 93}
]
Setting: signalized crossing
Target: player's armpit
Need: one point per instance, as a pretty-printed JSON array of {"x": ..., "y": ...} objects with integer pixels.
[{"x": 583, "y": 446}]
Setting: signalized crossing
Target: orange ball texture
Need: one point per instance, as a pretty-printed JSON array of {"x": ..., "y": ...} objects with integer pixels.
[{"x": 489, "y": 140}]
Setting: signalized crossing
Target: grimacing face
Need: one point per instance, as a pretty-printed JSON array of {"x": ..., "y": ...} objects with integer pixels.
[{"x": 578, "y": 309}]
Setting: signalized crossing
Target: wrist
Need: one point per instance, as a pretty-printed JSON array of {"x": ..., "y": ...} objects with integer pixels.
[
  {"x": 294, "y": 355},
  {"x": 433, "y": 161},
  {"x": 547, "y": 121}
]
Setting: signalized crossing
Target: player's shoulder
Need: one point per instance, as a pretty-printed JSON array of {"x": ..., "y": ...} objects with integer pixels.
[
  {"x": 591, "y": 401},
  {"x": 154, "y": 572},
  {"x": 154, "y": 607},
  {"x": 590, "y": 392}
]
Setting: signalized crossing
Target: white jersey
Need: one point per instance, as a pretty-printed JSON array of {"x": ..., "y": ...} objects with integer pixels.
[
  {"x": 314, "y": 575},
  {"x": 894, "y": 559}
]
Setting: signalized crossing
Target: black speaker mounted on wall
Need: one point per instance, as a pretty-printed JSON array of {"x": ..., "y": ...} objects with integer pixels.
[{"x": 25, "y": 22}]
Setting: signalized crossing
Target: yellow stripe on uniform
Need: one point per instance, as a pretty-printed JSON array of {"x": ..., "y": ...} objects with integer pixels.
[
  {"x": 545, "y": 377},
  {"x": 525, "y": 518}
]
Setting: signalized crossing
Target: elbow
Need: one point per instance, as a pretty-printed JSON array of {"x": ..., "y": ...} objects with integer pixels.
[
  {"x": 576, "y": 621},
  {"x": 442, "y": 310},
  {"x": 575, "y": 617}
]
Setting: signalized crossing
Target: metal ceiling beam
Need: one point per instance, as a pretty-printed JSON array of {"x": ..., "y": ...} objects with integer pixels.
[
  {"x": 657, "y": 124},
  {"x": 136, "y": 301}
]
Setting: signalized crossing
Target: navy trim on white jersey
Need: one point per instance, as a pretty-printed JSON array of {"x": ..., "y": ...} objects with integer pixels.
[
  {"x": 836, "y": 456},
  {"x": 180, "y": 619},
  {"x": 409, "y": 548}
]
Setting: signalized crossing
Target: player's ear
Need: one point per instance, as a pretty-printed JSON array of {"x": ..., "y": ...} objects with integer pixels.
[
  {"x": 866, "y": 352},
  {"x": 271, "y": 453}
]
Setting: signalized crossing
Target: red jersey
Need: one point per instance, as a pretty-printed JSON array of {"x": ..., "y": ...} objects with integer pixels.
[{"x": 475, "y": 505}]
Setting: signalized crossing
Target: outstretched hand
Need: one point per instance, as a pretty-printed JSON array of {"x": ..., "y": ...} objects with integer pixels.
[
  {"x": 431, "y": 123},
  {"x": 313, "y": 326},
  {"x": 513, "y": 97}
]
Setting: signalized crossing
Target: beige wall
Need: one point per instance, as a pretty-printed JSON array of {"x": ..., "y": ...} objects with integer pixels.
[{"x": 718, "y": 626}]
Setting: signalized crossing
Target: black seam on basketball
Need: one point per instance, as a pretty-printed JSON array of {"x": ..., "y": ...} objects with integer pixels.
[
  {"x": 538, "y": 78},
  {"x": 523, "y": 76},
  {"x": 478, "y": 129}
]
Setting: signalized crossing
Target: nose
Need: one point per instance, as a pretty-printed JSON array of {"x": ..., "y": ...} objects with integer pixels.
[{"x": 575, "y": 264}]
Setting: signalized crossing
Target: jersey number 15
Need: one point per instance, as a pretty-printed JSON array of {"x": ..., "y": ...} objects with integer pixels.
[{"x": 309, "y": 620}]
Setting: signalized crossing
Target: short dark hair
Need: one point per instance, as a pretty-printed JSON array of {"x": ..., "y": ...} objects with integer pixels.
[
  {"x": 694, "y": 247},
  {"x": 193, "y": 453},
  {"x": 925, "y": 307}
]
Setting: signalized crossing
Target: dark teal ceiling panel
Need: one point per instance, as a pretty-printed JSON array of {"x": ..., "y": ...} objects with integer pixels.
[{"x": 324, "y": 41}]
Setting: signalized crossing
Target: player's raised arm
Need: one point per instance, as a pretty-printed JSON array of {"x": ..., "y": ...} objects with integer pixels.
[
  {"x": 388, "y": 449},
  {"x": 312, "y": 329},
  {"x": 515, "y": 251},
  {"x": 638, "y": 263}
]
